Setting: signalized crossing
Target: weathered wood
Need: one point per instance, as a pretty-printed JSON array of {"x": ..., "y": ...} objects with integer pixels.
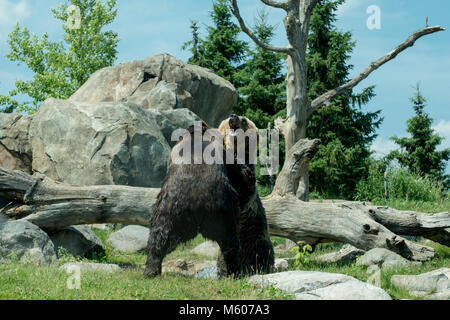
[
  {"x": 52, "y": 205},
  {"x": 290, "y": 180},
  {"x": 326, "y": 97},
  {"x": 299, "y": 109}
]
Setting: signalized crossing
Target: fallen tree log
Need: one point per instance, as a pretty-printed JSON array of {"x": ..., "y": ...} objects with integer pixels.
[{"x": 51, "y": 205}]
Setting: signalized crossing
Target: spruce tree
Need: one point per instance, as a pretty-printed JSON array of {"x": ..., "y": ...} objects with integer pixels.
[
  {"x": 261, "y": 82},
  {"x": 418, "y": 152},
  {"x": 344, "y": 129},
  {"x": 221, "y": 50}
]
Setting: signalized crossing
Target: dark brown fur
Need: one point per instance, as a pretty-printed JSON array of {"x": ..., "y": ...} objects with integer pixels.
[
  {"x": 194, "y": 199},
  {"x": 257, "y": 255}
]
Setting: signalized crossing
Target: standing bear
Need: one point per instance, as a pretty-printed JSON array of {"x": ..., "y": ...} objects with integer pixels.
[
  {"x": 194, "y": 198},
  {"x": 219, "y": 201},
  {"x": 257, "y": 253}
]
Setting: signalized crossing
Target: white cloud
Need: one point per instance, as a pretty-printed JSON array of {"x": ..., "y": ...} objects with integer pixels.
[
  {"x": 12, "y": 11},
  {"x": 443, "y": 129},
  {"x": 347, "y": 6},
  {"x": 382, "y": 147}
]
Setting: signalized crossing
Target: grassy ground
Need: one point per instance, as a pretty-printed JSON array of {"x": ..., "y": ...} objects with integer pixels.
[{"x": 18, "y": 281}]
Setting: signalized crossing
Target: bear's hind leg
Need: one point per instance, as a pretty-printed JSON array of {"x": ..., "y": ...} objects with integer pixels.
[{"x": 162, "y": 241}]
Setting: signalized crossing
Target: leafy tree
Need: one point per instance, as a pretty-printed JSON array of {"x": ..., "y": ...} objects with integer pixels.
[
  {"x": 221, "y": 50},
  {"x": 345, "y": 131},
  {"x": 60, "y": 68},
  {"x": 418, "y": 152}
]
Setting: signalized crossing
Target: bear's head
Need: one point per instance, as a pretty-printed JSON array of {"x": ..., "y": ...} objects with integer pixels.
[{"x": 233, "y": 127}]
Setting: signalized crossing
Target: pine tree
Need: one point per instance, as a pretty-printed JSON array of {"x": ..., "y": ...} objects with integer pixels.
[
  {"x": 418, "y": 152},
  {"x": 261, "y": 82},
  {"x": 345, "y": 131},
  {"x": 193, "y": 44},
  {"x": 221, "y": 50}
]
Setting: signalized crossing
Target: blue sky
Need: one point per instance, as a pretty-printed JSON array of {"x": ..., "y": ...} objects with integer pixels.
[{"x": 148, "y": 27}]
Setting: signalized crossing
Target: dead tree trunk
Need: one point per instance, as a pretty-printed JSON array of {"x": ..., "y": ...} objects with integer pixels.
[
  {"x": 299, "y": 110},
  {"x": 51, "y": 205}
]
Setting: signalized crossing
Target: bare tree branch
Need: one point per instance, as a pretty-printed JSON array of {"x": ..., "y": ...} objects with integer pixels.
[
  {"x": 244, "y": 28},
  {"x": 280, "y": 5},
  {"x": 325, "y": 98}
]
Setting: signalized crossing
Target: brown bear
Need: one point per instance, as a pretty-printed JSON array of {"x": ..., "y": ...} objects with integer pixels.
[
  {"x": 194, "y": 198},
  {"x": 257, "y": 254}
]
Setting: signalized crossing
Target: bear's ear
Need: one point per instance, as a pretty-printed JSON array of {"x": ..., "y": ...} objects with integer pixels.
[{"x": 205, "y": 128}]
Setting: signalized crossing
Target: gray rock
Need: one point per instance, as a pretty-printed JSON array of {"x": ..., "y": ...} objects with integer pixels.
[
  {"x": 311, "y": 285},
  {"x": 78, "y": 241},
  {"x": 207, "y": 273},
  {"x": 375, "y": 277},
  {"x": 89, "y": 267},
  {"x": 346, "y": 254},
  {"x": 33, "y": 256},
  {"x": 107, "y": 143},
  {"x": 207, "y": 248},
  {"x": 171, "y": 120},
  {"x": 162, "y": 82},
  {"x": 22, "y": 238},
  {"x": 385, "y": 259},
  {"x": 430, "y": 285},
  {"x": 15, "y": 146},
  {"x": 205, "y": 269},
  {"x": 281, "y": 265},
  {"x": 130, "y": 239},
  {"x": 3, "y": 218}
]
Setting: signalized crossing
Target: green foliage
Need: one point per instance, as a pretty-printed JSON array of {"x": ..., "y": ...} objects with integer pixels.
[
  {"x": 60, "y": 68},
  {"x": 418, "y": 152},
  {"x": 345, "y": 131},
  {"x": 221, "y": 50},
  {"x": 402, "y": 185},
  {"x": 302, "y": 253},
  {"x": 262, "y": 80}
]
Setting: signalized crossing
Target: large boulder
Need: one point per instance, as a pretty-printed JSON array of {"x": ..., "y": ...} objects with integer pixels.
[
  {"x": 384, "y": 259},
  {"x": 312, "y": 285},
  {"x": 130, "y": 239},
  {"x": 82, "y": 143},
  {"x": 430, "y": 285},
  {"x": 347, "y": 253},
  {"x": 79, "y": 241},
  {"x": 15, "y": 147},
  {"x": 90, "y": 267},
  {"x": 26, "y": 242},
  {"x": 207, "y": 248},
  {"x": 171, "y": 120},
  {"x": 162, "y": 82}
]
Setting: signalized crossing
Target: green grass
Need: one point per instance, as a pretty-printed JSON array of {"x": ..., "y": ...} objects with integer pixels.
[
  {"x": 21, "y": 281},
  {"x": 18, "y": 281},
  {"x": 441, "y": 260}
]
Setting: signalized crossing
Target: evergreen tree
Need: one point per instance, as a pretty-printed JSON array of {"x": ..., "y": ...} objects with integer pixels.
[
  {"x": 262, "y": 80},
  {"x": 193, "y": 44},
  {"x": 60, "y": 68},
  {"x": 221, "y": 50},
  {"x": 345, "y": 131},
  {"x": 418, "y": 152},
  {"x": 262, "y": 89}
]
